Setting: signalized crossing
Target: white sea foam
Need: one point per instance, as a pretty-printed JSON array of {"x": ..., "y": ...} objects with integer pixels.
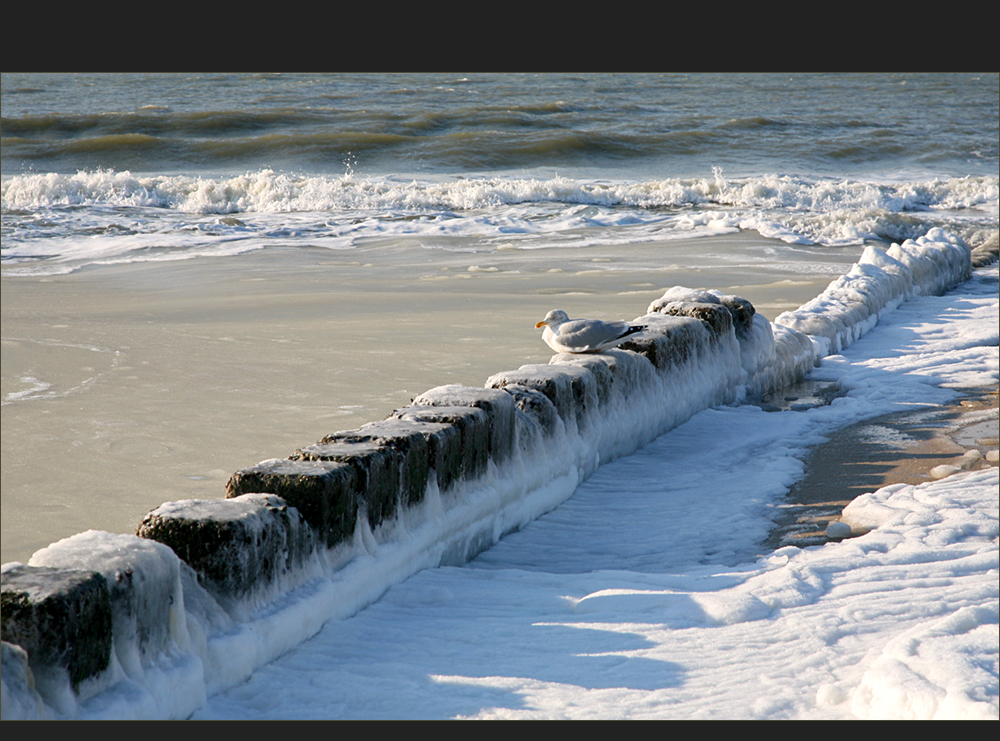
[
  {"x": 270, "y": 191},
  {"x": 114, "y": 216}
]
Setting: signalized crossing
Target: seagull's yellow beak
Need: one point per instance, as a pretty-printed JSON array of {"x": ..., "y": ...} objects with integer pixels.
[{"x": 539, "y": 325}]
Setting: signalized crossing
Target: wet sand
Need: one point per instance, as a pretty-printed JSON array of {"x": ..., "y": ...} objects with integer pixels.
[{"x": 912, "y": 447}]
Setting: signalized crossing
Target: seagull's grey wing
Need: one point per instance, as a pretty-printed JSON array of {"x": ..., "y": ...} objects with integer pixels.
[{"x": 590, "y": 334}]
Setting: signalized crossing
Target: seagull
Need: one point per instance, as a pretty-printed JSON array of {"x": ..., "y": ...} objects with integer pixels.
[{"x": 583, "y": 335}]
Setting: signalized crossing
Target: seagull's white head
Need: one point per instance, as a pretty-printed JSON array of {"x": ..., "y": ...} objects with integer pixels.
[{"x": 553, "y": 319}]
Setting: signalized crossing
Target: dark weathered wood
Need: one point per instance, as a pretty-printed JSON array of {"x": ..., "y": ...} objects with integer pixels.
[
  {"x": 324, "y": 492},
  {"x": 234, "y": 545},
  {"x": 60, "y": 617}
]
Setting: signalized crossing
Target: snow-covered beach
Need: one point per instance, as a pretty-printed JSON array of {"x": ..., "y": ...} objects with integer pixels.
[
  {"x": 645, "y": 593},
  {"x": 281, "y": 257},
  {"x": 640, "y": 596}
]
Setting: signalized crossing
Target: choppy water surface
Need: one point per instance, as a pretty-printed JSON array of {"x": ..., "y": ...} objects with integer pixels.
[{"x": 653, "y": 125}]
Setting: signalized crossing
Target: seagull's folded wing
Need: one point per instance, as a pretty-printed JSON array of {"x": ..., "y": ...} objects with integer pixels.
[{"x": 589, "y": 334}]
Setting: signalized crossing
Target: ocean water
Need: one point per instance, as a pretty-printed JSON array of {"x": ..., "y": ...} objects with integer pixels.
[{"x": 203, "y": 271}]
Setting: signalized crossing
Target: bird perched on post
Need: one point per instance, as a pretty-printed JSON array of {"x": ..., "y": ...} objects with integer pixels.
[{"x": 563, "y": 334}]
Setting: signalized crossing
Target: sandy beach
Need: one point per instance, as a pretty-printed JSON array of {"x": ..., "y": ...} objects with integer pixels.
[{"x": 912, "y": 447}]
